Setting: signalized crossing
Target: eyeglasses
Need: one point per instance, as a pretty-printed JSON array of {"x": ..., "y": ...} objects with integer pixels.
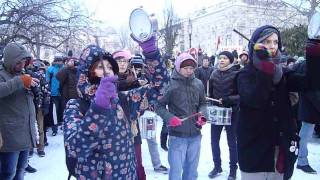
[{"x": 123, "y": 61}]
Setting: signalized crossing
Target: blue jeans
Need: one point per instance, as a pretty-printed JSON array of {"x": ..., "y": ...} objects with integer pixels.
[
  {"x": 13, "y": 164},
  {"x": 232, "y": 143},
  {"x": 305, "y": 135},
  {"x": 154, "y": 153},
  {"x": 183, "y": 157}
]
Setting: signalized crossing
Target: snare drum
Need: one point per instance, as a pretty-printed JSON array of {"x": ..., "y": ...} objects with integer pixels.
[
  {"x": 219, "y": 115},
  {"x": 148, "y": 125}
]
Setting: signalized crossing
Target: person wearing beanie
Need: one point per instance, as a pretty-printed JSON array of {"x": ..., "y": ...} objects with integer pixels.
[
  {"x": 183, "y": 109},
  {"x": 17, "y": 112},
  {"x": 223, "y": 88},
  {"x": 97, "y": 128},
  {"x": 244, "y": 58},
  {"x": 266, "y": 127}
]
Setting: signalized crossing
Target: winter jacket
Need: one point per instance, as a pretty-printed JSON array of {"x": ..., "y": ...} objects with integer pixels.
[
  {"x": 222, "y": 84},
  {"x": 17, "y": 112},
  {"x": 53, "y": 81},
  {"x": 203, "y": 74},
  {"x": 184, "y": 96},
  {"x": 101, "y": 139},
  {"x": 67, "y": 78},
  {"x": 41, "y": 92},
  {"x": 265, "y": 118},
  {"x": 309, "y": 103}
]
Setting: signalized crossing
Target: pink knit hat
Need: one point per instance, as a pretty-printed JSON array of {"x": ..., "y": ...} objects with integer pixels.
[
  {"x": 182, "y": 57},
  {"x": 122, "y": 54}
]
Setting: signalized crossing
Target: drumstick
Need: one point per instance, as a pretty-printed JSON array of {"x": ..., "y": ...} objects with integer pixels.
[
  {"x": 193, "y": 115},
  {"x": 215, "y": 100},
  {"x": 208, "y": 88}
]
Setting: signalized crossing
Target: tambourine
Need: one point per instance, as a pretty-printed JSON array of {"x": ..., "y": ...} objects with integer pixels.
[
  {"x": 314, "y": 27},
  {"x": 142, "y": 25}
]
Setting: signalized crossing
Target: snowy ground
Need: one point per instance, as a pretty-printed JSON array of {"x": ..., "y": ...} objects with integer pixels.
[{"x": 52, "y": 166}]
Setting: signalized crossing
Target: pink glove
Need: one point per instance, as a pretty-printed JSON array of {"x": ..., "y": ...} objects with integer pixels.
[
  {"x": 201, "y": 121},
  {"x": 175, "y": 121},
  {"x": 106, "y": 92}
]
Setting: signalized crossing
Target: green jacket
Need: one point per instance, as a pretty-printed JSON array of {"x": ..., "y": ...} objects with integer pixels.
[
  {"x": 17, "y": 112},
  {"x": 183, "y": 96}
]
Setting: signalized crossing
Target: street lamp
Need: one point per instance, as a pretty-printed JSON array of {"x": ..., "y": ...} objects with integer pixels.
[{"x": 190, "y": 32}]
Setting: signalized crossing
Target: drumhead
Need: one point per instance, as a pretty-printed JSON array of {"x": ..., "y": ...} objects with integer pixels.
[
  {"x": 140, "y": 24},
  {"x": 314, "y": 27}
]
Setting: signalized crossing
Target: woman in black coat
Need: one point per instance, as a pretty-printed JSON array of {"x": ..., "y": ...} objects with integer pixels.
[{"x": 266, "y": 131}]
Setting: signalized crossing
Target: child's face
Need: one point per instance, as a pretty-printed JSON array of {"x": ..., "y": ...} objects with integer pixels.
[
  {"x": 123, "y": 65},
  {"x": 223, "y": 61},
  {"x": 99, "y": 69},
  {"x": 187, "y": 71}
]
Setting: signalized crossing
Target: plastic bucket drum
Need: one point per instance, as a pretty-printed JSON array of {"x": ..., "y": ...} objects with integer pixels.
[
  {"x": 219, "y": 115},
  {"x": 148, "y": 127}
]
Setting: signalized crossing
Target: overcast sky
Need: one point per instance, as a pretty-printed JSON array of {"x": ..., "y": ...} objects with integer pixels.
[{"x": 116, "y": 12}]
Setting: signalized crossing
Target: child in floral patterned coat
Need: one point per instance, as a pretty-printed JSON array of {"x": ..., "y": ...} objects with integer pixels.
[{"x": 97, "y": 131}]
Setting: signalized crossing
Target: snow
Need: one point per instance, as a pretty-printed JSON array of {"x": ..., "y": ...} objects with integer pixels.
[{"x": 52, "y": 166}]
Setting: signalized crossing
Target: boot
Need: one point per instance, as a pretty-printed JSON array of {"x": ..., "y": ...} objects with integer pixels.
[
  {"x": 163, "y": 141},
  {"x": 215, "y": 172},
  {"x": 232, "y": 174}
]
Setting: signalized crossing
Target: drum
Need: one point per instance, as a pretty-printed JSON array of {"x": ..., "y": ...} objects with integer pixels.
[
  {"x": 219, "y": 115},
  {"x": 148, "y": 125},
  {"x": 142, "y": 25}
]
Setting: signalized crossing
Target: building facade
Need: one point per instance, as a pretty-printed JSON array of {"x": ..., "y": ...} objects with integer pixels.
[{"x": 211, "y": 28}]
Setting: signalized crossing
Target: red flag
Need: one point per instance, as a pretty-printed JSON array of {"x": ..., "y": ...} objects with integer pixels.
[{"x": 218, "y": 42}]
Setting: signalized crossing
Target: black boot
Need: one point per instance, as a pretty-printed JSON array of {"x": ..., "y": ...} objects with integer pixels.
[
  {"x": 163, "y": 141},
  {"x": 215, "y": 172},
  {"x": 232, "y": 174},
  {"x": 30, "y": 169}
]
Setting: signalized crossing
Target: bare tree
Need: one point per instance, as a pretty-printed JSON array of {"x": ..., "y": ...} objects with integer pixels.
[
  {"x": 305, "y": 7},
  {"x": 41, "y": 23},
  {"x": 125, "y": 40},
  {"x": 169, "y": 33}
]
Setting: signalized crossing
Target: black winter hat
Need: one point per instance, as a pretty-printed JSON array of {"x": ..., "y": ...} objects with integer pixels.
[{"x": 229, "y": 55}]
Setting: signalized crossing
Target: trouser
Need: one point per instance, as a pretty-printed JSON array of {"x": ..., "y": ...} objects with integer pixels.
[
  {"x": 140, "y": 169},
  {"x": 305, "y": 135},
  {"x": 183, "y": 157},
  {"x": 57, "y": 113},
  {"x": 13, "y": 165},
  {"x": 154, "y": 152},
  {"x": 232, "y": 143},
  {"x": 164, "y": 135},
  {"x": 40, "y": 118}
]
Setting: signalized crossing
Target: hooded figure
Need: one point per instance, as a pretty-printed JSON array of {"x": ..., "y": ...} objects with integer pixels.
[
  {"x": 266, "y": 134},
  {"x": 17, "y": 112},
  {"x": 97, "y": 130}
]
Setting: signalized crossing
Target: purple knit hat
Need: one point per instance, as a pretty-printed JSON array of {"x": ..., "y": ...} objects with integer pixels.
[{"x": 182, "y": 57}]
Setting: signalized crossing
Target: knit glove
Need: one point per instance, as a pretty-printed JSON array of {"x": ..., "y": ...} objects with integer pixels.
[
  {"x": 175, "y": 121},
  {"x": 26, "y": 79},
  {"x": 106, "y": 92},
  {"x": 262, "y": 59},
  {"x": 147, "y": 46},
  {"x": 201, "y": 121}
]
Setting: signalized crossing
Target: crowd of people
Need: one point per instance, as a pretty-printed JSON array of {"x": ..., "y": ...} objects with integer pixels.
[{"x": 99, "y": 100}]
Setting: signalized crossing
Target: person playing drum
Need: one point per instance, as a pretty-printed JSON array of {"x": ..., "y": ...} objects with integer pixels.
[{"x": 223, "y": 88}]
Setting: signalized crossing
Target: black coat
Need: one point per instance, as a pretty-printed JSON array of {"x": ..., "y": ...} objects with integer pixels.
[
  {"x": 67, "y": 77},
  {"x": 203, "y": 74},
  {"x": 309, "y": 103},
  {"x": 265, "y": 119}
]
